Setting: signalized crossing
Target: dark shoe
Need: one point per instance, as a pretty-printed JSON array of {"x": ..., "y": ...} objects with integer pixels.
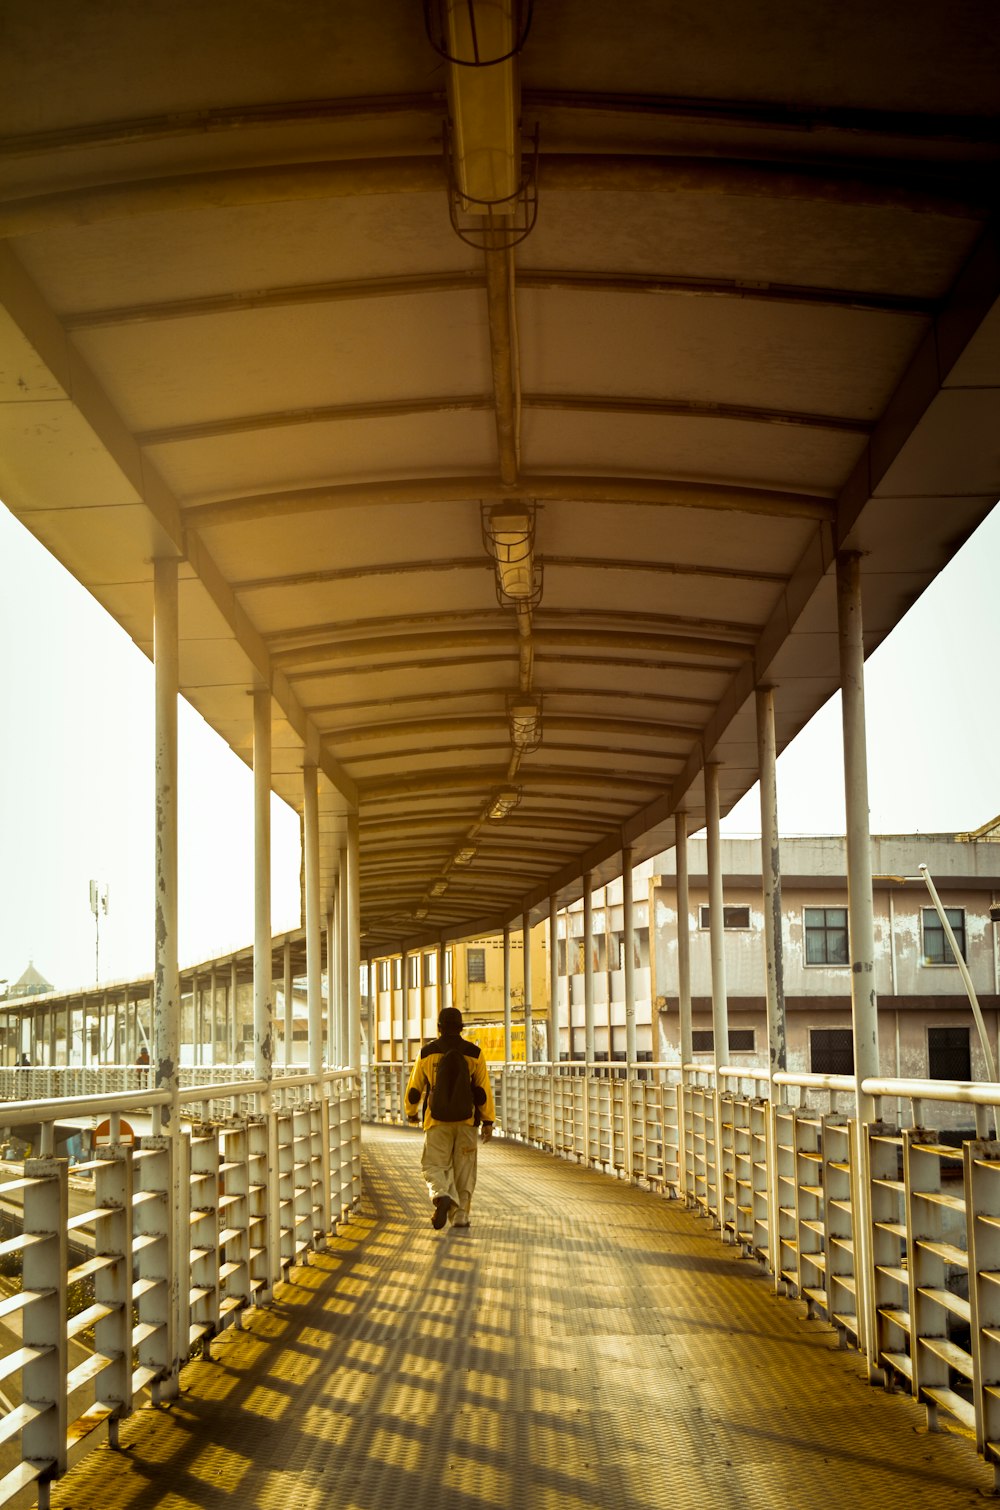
[{"x": 442, "y": 1205}]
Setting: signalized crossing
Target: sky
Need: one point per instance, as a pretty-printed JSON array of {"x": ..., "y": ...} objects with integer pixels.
[{"x": 76, "y": 764}]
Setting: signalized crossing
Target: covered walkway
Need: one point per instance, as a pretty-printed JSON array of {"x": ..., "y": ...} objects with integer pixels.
[{"x": 586, "y": 1344}]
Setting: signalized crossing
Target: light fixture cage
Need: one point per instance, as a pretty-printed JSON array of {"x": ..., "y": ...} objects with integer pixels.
[
  {"x": 512, "y": 552},
  {"x": 465, "y": 855},
  {"x": 502, "y": 803},
  {"x": 524, "y": 715},
  {"x": 436, "y": 26},
  {"x": 493, "y": 225}
]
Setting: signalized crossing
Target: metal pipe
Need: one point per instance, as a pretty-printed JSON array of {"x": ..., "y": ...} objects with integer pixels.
[
  {"x": 314, "y": 995},
  {"x": 263, "y": 1010},
  {"x": 864, "y": 1003},
  {"x": 526, "y": 965},
  {"x": 353, "y": 951},
  {"x": 716, "y": 919},
  {"x": 628, "y": 930},
  {"x": 554, "y": 1053},
  {"x": 770, "y": 858},
  {"x": 963, "y": 970},
  {"x": 683, "y": 937},
  {"x": 508, "y": 1033},
  {"x": 287, "y": 991},
  {"x": 588, "y": 968}
]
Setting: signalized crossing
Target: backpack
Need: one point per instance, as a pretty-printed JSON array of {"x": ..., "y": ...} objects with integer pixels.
[{"x": 451, "y": 1094}]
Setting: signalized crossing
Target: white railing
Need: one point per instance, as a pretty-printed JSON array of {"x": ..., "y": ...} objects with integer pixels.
[
  {"x": 154, "y": 1245},
  {"x": 891, "y": 1234}
]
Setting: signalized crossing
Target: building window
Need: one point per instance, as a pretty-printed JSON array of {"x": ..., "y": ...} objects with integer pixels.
[
  {"x": 413, "y": 971},
  {"x": 826, "y": 938},
  {"x": 732, "y": 917},
  {"x": 397, "y": 973},
  {"x": 937, "y": 950},
  {"x": 430, "y": 969},
  {"x": 741, "y": 1040},
  {"x": 831, "y": 1051},
  {"x": 948, "y": 1053},
  {"x": 475, "y": 965},
  {"x": 383, "y": 975}
]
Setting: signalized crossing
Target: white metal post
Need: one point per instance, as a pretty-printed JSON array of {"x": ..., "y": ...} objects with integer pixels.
[
  {"x": 683, "y": 899},
  {"x": 353, "y": 951},
  {"x": 860, "y": 902},
  {"x": 588, "y": 969},
  {"x": 628, "y": 932},
  {"x": 234, "y": 983},
  {"x": 404, "y": 1008},
  {"x": 554, "y": 1033},
  {"x": 263, "y": 988},
  {"x": 770, "y": 859},
  {"x": 310, "y": 824},
  {"x": 716, "y": 920},
  {"x": 771, "y": 872},
  {"x": 508, "y": 1027},
  {"x": 861, "y": 911},
  {"x": 288, "y": 989},
  {"x": 717, "y": 943},
  {"x": 529, "y": 1052},
  {"x": 213, "y": 987},
  {"x": 166, "y": 983},
  {"x": 683, "y": 937}
]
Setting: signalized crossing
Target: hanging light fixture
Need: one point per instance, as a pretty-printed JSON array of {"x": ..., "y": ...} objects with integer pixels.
[
  {"x": 493, "y": 200},
  {"x": 524, "y": 714},
  {"x": 466, "y": 856},
  {"x": 509, "y": 538},
  {"x": 503, "y": 802},
  {"x": 439, "y": 888}
]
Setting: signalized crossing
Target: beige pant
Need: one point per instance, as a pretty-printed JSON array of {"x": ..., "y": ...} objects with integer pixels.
[{"x": 448, "y": 1163}]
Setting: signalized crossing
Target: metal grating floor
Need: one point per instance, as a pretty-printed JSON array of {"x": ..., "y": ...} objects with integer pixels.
[{"x": 584, "y": 1345}]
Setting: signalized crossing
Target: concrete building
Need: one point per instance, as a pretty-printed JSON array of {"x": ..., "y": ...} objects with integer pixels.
[{"x": 926, "y": 1025}]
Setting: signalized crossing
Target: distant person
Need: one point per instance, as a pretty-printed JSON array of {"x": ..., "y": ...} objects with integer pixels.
[
  {"x": 24, "y": 1063},
  {"x": 451, "y": 1078},
  {"x": 143, "y": 1056}
]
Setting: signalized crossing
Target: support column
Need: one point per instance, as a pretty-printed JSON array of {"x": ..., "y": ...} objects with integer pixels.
[
  {"x": 353, "y": 951},
  {"x": 628, "y": 930},
  {"x": 263, "y": 1006},
  {"x": 404, "y": 1006},
  {"x": 554, "y": 1038},
  {"x": 166, "y": 983},
  {"x": 439, "y": 1000},
  {"x": 195, "y": 1021},
  {"x": 213, "y": 997},
  {"x": 588, "y": 968},
  {"x": 310, "y": 840},
  {"x": 508, "y": 1025},
  {"x": 683, "y": 993},
  {"x": 860, "y": 912},
  {"x": 334, "y": 983},
  {"x": 860, "y": 906},
  {"x": 770, "y": 860},
  {"x": 716, "y": 921},
  {"x": 529, "y": 1053},
  {"x": 233, "y": 998},
  {"x": 288, "y": 990},
  {"x": 770, "y": 864}
]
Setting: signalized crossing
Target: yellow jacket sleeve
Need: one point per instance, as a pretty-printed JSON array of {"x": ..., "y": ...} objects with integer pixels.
[
  {"x": 416, "y": 1089},
  {"x": 481, "y": 1077}
]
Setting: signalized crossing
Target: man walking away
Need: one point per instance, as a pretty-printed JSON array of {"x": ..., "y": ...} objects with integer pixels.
[{"x": 451, "y": 1078}]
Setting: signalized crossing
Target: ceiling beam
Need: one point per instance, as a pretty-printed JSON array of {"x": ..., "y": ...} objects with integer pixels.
[
  {"x": 547, "y": 488},
  {"x": 568, "y": 403},
  {"x": 307, "y": 655},
  {"x": 952, "y": 190},
  {"x": 205, "y": 306}
]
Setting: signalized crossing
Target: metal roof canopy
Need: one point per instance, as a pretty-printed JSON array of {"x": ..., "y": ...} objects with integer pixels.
[{"x": 754, "y": 324}]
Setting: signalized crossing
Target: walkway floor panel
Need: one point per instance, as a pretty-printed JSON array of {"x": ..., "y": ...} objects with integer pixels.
[{"x": 584, "y": 1344}]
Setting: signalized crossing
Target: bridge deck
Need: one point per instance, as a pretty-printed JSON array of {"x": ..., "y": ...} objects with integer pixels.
[{"x": 585, "y": 1344}]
